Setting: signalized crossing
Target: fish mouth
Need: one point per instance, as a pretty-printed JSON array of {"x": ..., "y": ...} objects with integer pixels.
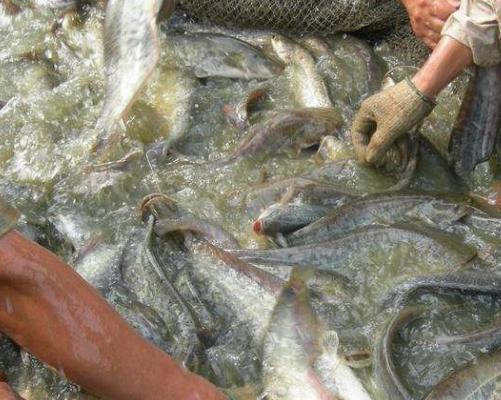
[{"x": 258, "y": 227}]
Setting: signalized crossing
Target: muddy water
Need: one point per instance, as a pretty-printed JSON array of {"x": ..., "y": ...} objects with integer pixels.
[{"x": 51, "y": 81}]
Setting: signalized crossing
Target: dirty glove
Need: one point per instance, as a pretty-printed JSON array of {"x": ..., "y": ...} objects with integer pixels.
[{"x": 387, "y": 116}]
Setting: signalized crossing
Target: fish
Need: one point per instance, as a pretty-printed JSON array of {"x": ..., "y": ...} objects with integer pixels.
[
  {"x": 299, "y": 128},
  {"x": 474, "y": 136},
  {"x": 343, "y": 172},
  {"x": 307, "y": 190},
  {"x": 211, "y": 55},
  {"x": 333, "y": 69},
  {"x": 144, "y": 319},
  {"x": 159, "y": 291},
  {"x": 209, "y": 231},
  {"x": 433, "y": 172},
  {"x": 224, "y": 282},
  {"x": 300, "y": 359},
  {"x": 335, "y": 254},
  {"x": 488, "y": 337},
  {"x": 180, "y": 220},
  {"x": 131, "y": 52},
  {"x": 305, "y": 83},
  {"x": 475, "y": 378},
  {"x": 363, "y": 69},
  {"x": 385, "y": 369},
  {"x": 379, "y": 209},
  {"x": 287, "y": 218},
  {"x": 238, "y": 115},
  {"x": 466, "y": 281},
  {"x": 240, "y": 293},
  {"x": 164, "y": 110},
  {"x": 484, "y": 223},
  {"x": 332, "y": 149},
  {"x": 65, "y": 4}
]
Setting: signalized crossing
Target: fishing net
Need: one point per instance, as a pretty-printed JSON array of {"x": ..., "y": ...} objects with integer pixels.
[
  {"x": 312, "y": 16},
  {"x": 402, "y": 42}
]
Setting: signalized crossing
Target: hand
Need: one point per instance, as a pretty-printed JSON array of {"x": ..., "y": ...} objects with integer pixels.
[
  {"x": 386, "y": 117},
  {"x": 428, "y": 18}
]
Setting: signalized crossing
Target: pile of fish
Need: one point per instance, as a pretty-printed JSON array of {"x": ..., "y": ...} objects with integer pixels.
[{"x": 203, "y": 180}]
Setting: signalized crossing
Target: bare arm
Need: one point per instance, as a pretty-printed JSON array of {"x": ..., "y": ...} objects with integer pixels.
[
  {"x": 447, "y": 61},
  {"x": 51, "y": 311}
]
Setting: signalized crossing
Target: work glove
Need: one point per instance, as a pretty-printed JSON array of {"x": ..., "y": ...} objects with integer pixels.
[{"x": 386, "y": 117}]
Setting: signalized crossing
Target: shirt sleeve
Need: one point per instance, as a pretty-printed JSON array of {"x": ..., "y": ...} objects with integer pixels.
[
  {"x": 475, "y": 25},
  {"x": 8, "y": 217}
]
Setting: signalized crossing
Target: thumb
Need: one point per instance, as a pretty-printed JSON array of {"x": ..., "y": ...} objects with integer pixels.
[
  {"x": 378, "y": 146},
  {"x": 362, "y": 127}
]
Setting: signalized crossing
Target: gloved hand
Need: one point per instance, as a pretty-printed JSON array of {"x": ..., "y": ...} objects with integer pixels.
[{"x": 386, "y": 117}]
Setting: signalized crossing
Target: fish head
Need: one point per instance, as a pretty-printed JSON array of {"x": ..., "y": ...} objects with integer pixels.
[
  {"x": 262, "y": 225},
  {"x": 160, "y": 206},
  {"x": 283, "y": 48}
]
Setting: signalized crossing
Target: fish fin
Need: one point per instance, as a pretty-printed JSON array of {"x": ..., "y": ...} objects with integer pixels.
[
  {"x": 330, "y": 342},
  {"x": 281, "y": 240}
]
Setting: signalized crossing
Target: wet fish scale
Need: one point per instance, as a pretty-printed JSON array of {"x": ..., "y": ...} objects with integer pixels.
[
  {"x": 468, "y": 281},
  {"x": 469, "y": 380},
  {"x": 286, "y": 218},
  {"x": 385, "y": 369},
  {"x": 209, "y": 55},
  {"x": 474, "y": 136},
  {"x": 334, "y": 254},
  {"x": 299, "y": 128},
  {"x": 131, "y": 53},
  {"x": 383, "y": 210},
  {"x": 300, "y": 358}
]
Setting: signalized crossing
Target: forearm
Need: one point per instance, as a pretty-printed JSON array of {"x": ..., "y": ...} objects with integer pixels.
[
  {"x": 447, "y": 61},
  {"x": 51, "y": 311}
]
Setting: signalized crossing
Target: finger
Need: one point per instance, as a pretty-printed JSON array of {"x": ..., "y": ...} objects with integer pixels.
[
  {"x": 7, "y": 394},
  {"x": 379, "y": 144},
  {"x": 362, "y": 127},
  {"x": 392, "y": 160},
  {"x": 430, "y": 43},
  {"x": 433, "y": 36},
  {"x": 443, "y": 9},
  {"x": 434, "y": 26}
]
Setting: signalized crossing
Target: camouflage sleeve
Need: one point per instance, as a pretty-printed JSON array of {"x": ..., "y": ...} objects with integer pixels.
[
  {"x": 8, "y": 217},
  {"x": 476, "y": 25}
]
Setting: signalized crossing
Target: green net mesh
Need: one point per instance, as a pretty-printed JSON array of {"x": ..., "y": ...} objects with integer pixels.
[{"x": 312, "y": 16}]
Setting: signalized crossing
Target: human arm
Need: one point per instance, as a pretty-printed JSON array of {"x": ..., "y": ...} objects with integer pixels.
[
  {"x": 428, "y": 17},
  {"x": 471, "y": 34},
  {"x": 388, "y": 115},
  {"x": 51, "y": 311},
  {"x": 6, "y": 393}
]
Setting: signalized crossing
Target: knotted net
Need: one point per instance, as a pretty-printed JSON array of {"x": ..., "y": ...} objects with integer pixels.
[{"x": 312, "y": 16}]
